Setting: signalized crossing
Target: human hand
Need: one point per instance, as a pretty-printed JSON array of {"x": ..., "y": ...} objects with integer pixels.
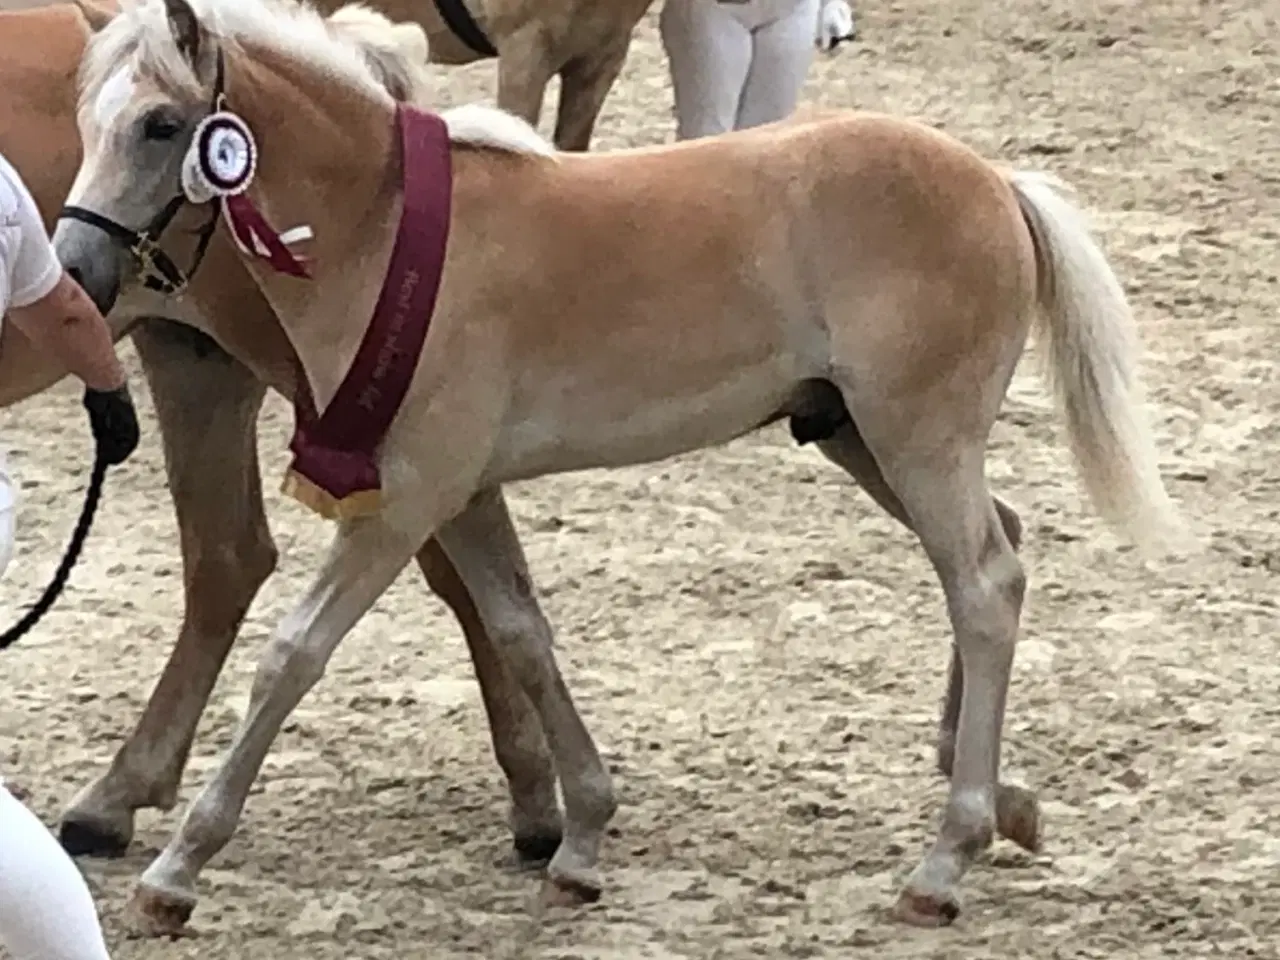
[
  {"x": 835, "y": 25},
  {"x": 114, "y": 423}
]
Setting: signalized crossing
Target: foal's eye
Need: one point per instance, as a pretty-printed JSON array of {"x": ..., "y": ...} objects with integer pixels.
[{"x": 161, "y": 124}]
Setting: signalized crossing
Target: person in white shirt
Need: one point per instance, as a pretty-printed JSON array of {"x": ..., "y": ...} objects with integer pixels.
[
  {"x": 741, "y": 63},
  {"x": 46, "y": 910}
]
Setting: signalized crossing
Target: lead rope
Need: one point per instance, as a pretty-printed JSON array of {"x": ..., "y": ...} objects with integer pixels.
[{"x": 68, "y": 561}]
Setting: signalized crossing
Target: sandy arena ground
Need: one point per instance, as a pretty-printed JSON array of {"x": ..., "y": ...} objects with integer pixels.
[{"x": 758, "y": 650}]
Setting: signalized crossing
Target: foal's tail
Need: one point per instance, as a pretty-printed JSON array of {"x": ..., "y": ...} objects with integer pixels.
[{"x": 1092, "y": 360}]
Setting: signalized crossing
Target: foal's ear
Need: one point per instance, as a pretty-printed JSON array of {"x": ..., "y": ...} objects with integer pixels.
[
  {"x": 97, "y": 17},
  {"x": 188, "y": 32}
]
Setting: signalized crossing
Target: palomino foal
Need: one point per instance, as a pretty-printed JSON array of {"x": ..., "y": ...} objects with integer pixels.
[
  {"x": 869, "y": 278},
  {"x": 206, "y": 402}
]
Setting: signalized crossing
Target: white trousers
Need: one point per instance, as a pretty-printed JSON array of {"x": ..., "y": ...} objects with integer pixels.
[
  {"x": 46, "y": 910},
  {"x": 736, "y": 65}
]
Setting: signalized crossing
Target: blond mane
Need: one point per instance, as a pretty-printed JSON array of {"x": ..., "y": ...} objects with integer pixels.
[{"x": 356, "y": 46}]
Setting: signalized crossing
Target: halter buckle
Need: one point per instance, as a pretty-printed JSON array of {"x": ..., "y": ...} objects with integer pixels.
[{"x": 145, "y": 250}]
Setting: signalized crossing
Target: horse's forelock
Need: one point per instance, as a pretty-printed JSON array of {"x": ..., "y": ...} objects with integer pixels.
[{"x": 138, "y": 34}]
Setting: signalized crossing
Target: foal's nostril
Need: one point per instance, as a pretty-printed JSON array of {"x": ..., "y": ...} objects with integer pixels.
[{"x": 75, "y": 274}]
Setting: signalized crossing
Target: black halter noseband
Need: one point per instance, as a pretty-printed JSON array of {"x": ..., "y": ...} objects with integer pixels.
[{"x": 159, "y": 271}]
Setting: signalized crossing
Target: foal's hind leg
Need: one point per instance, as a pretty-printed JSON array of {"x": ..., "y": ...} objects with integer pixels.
[
  {"x": 514, "y": 727},
  {"x": 955, "y": 672},
  {"x": 483, "y": 546},
  {"x": 1017, "y": 810},
  {"x": 207, "y": 406},
  {"x": 944, "y": 493}
]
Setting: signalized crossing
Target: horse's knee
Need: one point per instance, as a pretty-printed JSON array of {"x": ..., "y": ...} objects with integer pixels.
[
  {"x": 289, "y": 662},
  {"x": 224, "y": 577}
]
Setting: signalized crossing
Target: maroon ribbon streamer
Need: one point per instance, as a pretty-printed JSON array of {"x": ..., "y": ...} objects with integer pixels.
[{"x": 248, "y": 225}]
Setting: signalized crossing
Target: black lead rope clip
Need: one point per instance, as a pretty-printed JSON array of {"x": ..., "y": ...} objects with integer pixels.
[{"x": 69, "y": 559}]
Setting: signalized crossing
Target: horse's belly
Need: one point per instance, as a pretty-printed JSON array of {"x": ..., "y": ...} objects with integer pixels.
[{"x": 577, "y": 429}]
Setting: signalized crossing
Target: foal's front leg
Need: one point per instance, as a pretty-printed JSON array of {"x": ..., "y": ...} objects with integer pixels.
[{"x": 365, "y": 558}]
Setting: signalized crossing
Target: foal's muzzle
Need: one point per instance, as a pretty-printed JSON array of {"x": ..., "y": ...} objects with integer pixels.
[{"x": 91, "y": 260}]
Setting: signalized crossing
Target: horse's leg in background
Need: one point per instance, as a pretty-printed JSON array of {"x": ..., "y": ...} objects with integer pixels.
[
  {"x": 782, "y": 52},
  {"x": 1016, "y": 817},
  {"x": 482, "y": 543},
  {"x": 709, "y": 54},
  {"x": 524, "y": 70},
  {"x": 207, "y": 406},
  {"x": 584, "y": 85},
  {"x": 518, "y": 741}
]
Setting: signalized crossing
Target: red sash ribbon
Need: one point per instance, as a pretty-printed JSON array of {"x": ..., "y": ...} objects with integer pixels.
[{"x": 335, "y": 452}]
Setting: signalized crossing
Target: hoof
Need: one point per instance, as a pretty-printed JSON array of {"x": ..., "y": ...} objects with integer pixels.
[
  {"x": 1018, "y": 817},
  {"x": 925, "y": 910},
  {"x": 153, "y": 914},
  {"x": 92, "y": 838},
  {"x": 569, "y": 892},
  {"x": 535, "y": 850}
]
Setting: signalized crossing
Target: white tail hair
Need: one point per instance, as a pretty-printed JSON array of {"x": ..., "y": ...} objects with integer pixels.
[{"x": 1092, "y": 366}]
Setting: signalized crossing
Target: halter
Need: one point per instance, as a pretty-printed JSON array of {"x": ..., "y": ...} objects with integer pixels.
[{"x": 160, "y": 273}]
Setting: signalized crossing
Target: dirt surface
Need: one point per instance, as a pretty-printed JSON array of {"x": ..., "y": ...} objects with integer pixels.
[{"x": 759, "y": 651}]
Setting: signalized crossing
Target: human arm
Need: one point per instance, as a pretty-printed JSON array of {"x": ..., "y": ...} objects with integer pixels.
[
  {"x": 52, "y": 310},
  {"x": 65, "y": 323}
]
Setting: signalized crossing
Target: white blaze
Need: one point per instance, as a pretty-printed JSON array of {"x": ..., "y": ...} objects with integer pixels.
[{"x": 116, "y": 91}]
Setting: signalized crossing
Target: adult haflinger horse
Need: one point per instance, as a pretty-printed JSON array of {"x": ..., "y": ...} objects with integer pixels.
[
  {"x": 594, "y": 311},
  {"x": 584, "y": 42}
]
